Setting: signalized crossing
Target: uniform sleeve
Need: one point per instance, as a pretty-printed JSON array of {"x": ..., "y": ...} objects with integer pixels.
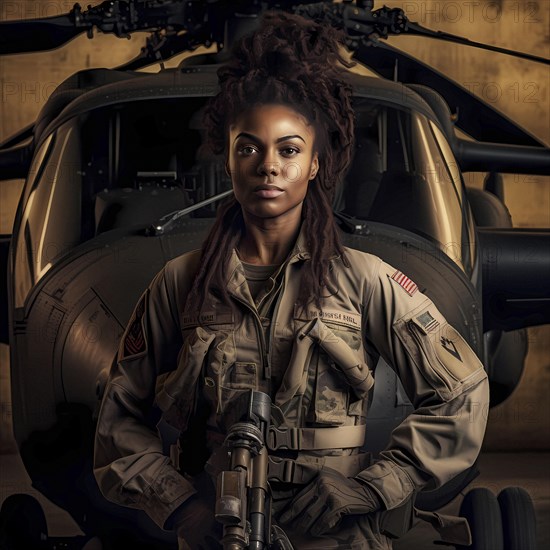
[
  {"x": 129, "y": 465},
  {"x": 444, "y": 380}
]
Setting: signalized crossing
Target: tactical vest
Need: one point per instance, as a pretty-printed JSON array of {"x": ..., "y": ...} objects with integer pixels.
[{"x": 320, "y": 404}]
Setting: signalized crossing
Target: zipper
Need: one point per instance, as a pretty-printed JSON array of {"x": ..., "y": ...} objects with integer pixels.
[
  {"x": 259, "y": 331},
  {"x": 267, "y": 371},
  {"x": 265, "y": 347},
  {"x": 274, "y": 319}
]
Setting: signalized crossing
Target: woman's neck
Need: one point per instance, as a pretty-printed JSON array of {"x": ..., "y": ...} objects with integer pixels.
[{"x": 268, "y": 241}]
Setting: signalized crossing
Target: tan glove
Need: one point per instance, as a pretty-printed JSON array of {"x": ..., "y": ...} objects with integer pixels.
[{"x": 320, "y": 506}]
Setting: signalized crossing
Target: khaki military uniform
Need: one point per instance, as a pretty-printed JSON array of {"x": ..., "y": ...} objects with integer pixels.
[{"x": 316, "y": 365}]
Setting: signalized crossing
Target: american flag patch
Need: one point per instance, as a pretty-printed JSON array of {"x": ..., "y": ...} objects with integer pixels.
[
  {"x": 403, "y": 281},
  {"x": 427, "y": 321},
  {"x": 134, "y": 341}
]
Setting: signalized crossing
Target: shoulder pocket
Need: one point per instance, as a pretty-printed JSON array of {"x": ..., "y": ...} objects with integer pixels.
[{"x": 443, "y": 357}]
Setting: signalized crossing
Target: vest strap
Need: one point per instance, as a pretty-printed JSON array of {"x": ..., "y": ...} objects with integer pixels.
[
  {"x": 302, "y": 470},
  {"x": 315, "y": 439}
]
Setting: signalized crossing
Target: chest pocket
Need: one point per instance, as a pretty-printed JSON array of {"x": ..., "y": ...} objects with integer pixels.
[
  {"x": 339, "y": 379},
  {"x": 175, "y": 391},
  {"x": 225, "y": 378}
]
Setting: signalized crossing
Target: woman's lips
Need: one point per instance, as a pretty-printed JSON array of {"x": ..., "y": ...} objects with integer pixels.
[{"x": 268, "y": 193}]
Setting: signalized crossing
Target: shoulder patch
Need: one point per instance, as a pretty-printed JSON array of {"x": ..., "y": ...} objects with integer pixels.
[
  {"x": 449, "y": 345},
  {"x": 427, "y": 321},
  {"x": 410, "y": 287},
  {"x": 134, "y": 339}
]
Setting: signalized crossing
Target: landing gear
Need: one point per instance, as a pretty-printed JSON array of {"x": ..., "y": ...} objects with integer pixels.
[
  {"x": 23, "y": 526},
  {"x": 518, "y": 519},
  {"x": 22, "y": 523},
  {"x": 506, "y": 523},
  {"x": 480, "y": 507}
]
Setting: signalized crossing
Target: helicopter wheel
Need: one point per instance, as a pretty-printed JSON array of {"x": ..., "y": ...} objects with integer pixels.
[
  {"x": 481, "y": 508},
  {"x": 518, "y": 519},
  {"x": 22, "y": 523}
]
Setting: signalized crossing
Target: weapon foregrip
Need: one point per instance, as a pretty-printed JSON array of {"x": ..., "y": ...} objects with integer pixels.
[
  {"x": 230, "y": 497},
  {"x": 243, "y": 498},
  {"x": 257, "y": 512}
]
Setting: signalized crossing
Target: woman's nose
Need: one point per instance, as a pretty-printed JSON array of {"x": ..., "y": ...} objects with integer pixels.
[{"x": 268, "y": 166}]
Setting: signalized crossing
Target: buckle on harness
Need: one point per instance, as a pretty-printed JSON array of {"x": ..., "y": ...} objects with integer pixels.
[
  {"x": 284, "y": 438},
  {"x": 281, "y": 469}
]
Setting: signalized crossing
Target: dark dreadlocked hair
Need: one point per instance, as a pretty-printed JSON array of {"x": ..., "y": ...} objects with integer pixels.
[{"x": 292, "y": 61}]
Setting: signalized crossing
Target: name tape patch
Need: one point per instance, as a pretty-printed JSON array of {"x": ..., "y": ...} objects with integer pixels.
[
  {"x": 207, "y": 318},
  {"x": 352, "y": 320}
]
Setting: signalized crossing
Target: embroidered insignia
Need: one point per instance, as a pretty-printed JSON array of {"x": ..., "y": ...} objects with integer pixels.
[
  {"x": 134, "y": 341},
  {"x": 427, "y": 321},
  {"x": 446, "y": 343},
  {"x": 404, "y": 282}
]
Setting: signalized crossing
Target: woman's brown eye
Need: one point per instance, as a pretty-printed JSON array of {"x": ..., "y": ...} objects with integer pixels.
[
  {"x": 247, "y": 150},
  {"x": 290, "y": 151}
]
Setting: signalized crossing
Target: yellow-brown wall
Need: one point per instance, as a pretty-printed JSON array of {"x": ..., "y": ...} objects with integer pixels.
[{"x": 518, "y": 88}]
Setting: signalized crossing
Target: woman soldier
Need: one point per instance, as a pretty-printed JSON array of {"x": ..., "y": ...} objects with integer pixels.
[{"x": 274, "y": 302}]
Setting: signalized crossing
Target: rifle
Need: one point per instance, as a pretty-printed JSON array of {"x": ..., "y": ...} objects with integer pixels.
[{"x": 243, "y": 498}]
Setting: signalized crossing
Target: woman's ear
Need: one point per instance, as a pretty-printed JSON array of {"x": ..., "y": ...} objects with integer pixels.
[
  {"x": 314, "y": 167},
  {"x": 227, "y": 171}
]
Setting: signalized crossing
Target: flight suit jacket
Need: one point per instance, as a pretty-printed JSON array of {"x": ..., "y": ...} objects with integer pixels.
[{"x": 166, "y": 355}]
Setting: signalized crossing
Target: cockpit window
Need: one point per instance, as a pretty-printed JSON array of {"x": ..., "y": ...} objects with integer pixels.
[
  {"x": 403, "y": 174},
  {"x": 34, "y": 210},
  {"x": 144, "y": 160},
  {"x": 117, "y": 167},
  {"x": 128, "y": 165},
  {"x": 51, "y": 217},
  {"x": 455, "y": 175}
]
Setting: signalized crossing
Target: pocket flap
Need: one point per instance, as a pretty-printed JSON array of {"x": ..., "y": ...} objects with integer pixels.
[{"x": 347, "y": 360}]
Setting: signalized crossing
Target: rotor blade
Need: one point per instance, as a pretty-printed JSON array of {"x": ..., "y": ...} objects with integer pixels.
[
  {"x": 476, "y": 117},
  {"x": 35, "y": 35},
  {"x": 416, "y": 29}
]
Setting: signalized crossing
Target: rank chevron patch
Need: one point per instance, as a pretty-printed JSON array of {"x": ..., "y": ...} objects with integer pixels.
[{"x": 134, "y": 342}]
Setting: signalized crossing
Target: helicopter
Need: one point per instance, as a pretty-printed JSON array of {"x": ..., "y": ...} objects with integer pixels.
[{"x": 118, "y": 183}]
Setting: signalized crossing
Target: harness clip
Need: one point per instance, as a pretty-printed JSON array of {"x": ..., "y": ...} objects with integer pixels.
[{"x": 284, "y": 438}]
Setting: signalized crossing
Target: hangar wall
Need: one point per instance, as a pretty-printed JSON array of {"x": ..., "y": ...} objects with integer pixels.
[{"x": 518, "y": 88}]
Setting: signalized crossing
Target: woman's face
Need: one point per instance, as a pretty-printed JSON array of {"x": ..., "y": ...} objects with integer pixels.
[{"x": 271, "y": 160}]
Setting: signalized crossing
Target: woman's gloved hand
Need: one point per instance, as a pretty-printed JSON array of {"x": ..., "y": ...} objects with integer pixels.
[
  {"x": 320, "y": 506},
  {"x": 194, "y": 521}
]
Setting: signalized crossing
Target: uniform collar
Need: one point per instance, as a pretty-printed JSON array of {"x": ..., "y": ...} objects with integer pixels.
[
  {"x": 236, "y": 280},
  {"x": 300, "y": 250}
]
